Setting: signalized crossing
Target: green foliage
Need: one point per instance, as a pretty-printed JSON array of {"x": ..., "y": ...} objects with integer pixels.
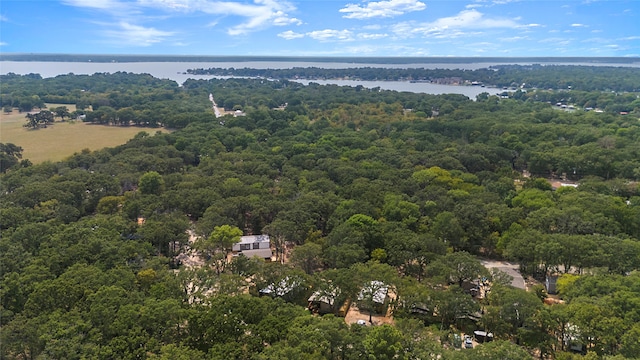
[
  {"x": 151, "y": 183},
  {"x": 351, "y": 189},
  {"x": 383, "y": 343},
  {"x": 10, "y": 155}
]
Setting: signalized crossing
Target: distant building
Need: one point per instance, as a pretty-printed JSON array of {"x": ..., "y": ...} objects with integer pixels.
[{"x": 254, "y": 245}]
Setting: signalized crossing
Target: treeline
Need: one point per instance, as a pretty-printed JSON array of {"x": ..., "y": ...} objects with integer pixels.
[
  {"x": 113, "y": 99},
  {"x": 358, "y": 188},
  {"x": 584, "y": 78}
]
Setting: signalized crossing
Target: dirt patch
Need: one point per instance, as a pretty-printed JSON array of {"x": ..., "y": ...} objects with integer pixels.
[
  {"x": 354, "y": 314},
  {"x": 189, "y": 257}
]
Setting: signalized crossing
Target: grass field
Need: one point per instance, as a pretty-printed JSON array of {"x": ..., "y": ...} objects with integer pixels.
[{"x": 63, "y": 139}]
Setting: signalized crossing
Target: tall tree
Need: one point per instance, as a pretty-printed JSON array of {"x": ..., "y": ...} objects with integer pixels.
[
  {"x": 10, "y": 154},
  {"x": 217, "y": 247},
  {"x": 151, "y": 183}
]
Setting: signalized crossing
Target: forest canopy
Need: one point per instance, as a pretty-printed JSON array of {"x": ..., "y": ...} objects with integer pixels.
[{"x": 125, "y": 252}]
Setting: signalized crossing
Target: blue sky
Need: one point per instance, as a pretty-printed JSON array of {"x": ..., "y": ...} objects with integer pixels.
[{"x": 323, "y": 28}]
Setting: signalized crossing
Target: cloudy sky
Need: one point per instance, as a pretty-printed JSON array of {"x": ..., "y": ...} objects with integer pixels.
[{"x": 323, "y": 28}]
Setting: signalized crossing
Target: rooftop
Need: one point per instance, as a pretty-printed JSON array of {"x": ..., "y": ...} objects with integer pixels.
[{"x": 250, "y": 239}]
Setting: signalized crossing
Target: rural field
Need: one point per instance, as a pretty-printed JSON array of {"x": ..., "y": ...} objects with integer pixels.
[{"x": 63, "y": 139}]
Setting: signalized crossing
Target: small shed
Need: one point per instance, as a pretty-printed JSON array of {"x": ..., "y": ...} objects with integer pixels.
[
  {"x": 323, "y": 302},
  {"x": 550, "y": 284},
  {"x": 374, "y": 294},
  {"x": 483, "y": 336}
]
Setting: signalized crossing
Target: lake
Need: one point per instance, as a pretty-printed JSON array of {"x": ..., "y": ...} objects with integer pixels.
[{"x": 175, "y": 71}]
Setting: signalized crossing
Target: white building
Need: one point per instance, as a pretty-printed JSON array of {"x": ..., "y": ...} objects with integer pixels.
[{"x": 253, "y": 245}]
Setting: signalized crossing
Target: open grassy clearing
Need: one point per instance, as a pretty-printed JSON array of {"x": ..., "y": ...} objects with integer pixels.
[{"x": 63, "y": 139}]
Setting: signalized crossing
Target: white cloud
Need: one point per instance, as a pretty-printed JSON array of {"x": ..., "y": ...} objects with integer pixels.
[
  {"x": 175, "y": 5},
  {"x": 486, "y": 3},
  {"x": 369, "y": 36},
  {"x": 514, "y": 38},
  {"x": 94, "y": 4},
  {"x": 281, "y": 19},
  {"x": 598, "y": 40},
  {"x": 331, "y": 35},
  {"x": 2, "y": 43},
  {"x": 467, "y": 22},
  {"x": 259, "y": 15},
  {"x": 556, "y": 41},
  {"x": 473, "y": 19},
  {"x": 135, "y": 35},
  {"x": 121, "y": 10},
  {"x": 3, "y": 18},
  {"x": 290, "y": 35},
  {"x": 256, "y": 15},
  {"x": 388, "y": 8},
  {"x": 578, "y": 25}
]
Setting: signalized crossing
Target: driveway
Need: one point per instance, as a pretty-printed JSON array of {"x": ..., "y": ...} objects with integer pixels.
[{"x": 509, "y": 268}]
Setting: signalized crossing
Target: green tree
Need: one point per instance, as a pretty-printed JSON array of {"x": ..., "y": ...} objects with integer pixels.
[
  {"x": 384, "y": 343},
  {"x": 495, "y": 350},
  {"x": 458, "y": 268},
  {"x": 10, "y": 155},
  {"x": 61, "y": 112},
  {"x": 510, "y": 311},
  {"x": 307, "y": 257},
  {"x": 452, "y": 305},
  {"x": 217, "y": 247},
  {"x": 177, "y": 352},
  {"x": 446, "y": 227},
  {"x": 110, "y": 204},
  {"x": 151, "y": 183}
]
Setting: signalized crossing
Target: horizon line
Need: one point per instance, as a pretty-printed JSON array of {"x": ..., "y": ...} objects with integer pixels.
[{"x": 12, "y": 56}]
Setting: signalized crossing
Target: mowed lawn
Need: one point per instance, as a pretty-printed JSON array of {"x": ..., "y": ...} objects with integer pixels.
[{"x": 63, "y": 139}]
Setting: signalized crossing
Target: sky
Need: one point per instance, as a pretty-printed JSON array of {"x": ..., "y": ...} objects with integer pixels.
[{"x": 394, "y": 28}]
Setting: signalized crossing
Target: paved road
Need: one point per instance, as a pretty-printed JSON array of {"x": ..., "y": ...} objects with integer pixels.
[{"x": 509, "y": 268}]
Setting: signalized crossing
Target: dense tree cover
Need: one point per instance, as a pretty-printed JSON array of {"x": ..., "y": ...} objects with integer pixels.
[
  {"x": 584, "y": 78},
  {"x": 114, "y": 99},
  {"x": 10, "y": 155},
  {"x": 366, "y": 191}
]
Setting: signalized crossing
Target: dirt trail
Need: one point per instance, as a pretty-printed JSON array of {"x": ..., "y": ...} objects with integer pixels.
[{"x": 190, "y": 258}]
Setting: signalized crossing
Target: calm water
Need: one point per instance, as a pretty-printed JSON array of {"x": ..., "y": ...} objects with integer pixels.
[{"x": 174, "y": 71}]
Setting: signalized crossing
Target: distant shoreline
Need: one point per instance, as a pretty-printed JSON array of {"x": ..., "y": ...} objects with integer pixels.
[{"x": 106, "y": 58}]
